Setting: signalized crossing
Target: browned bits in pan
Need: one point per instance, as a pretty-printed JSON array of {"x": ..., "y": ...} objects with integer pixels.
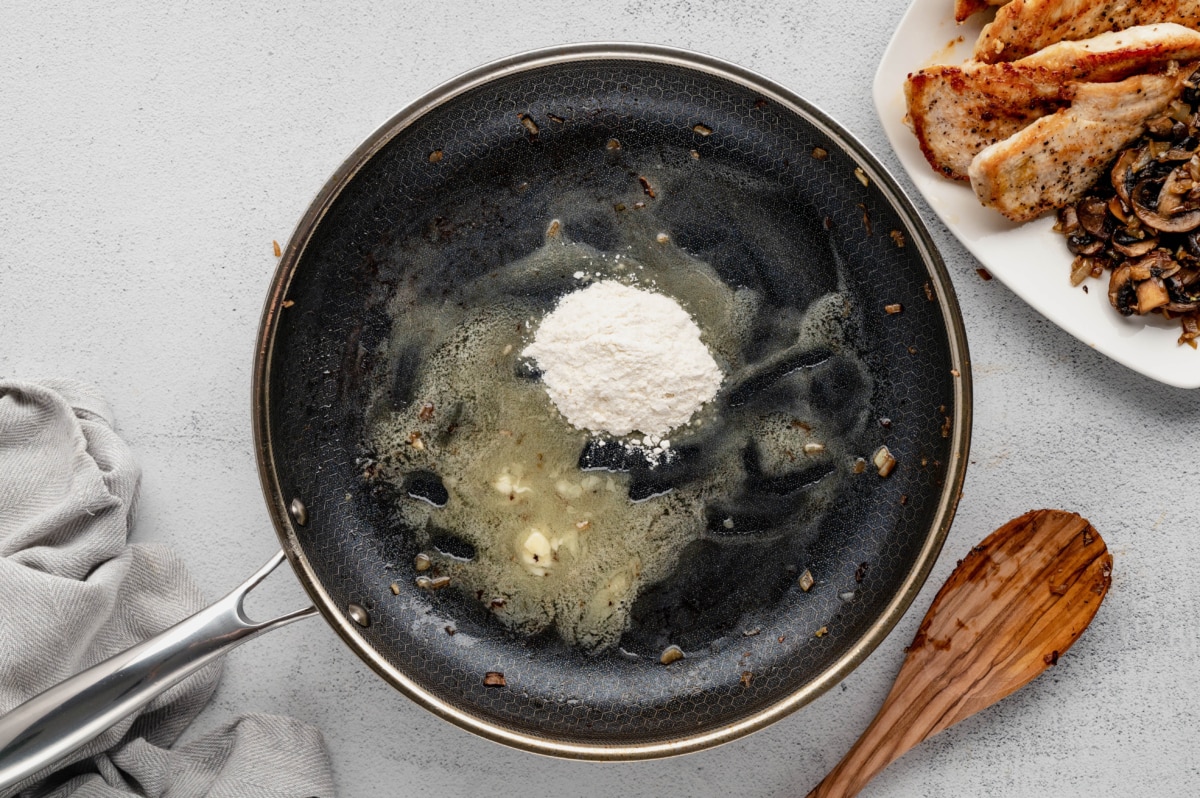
[
  {"x": 747, "y": 678},
  {"x": 436, "y": 156},
  {"x": 862, "y": 176},
  {"x": 695, "y": 154},
  {"x": 646, "y": 187},
  {"x": 612, "y": 144},
  {"x": 558, "y": 120},
  {"x": 806, "y": 580},
  {"x": 287, "y": 303},
  {"x": 898, "y": 238},
  {"x": 929, "y": 292},
  {"x": 494, "y": 679},
  {"x": 824, "y": 630},
  {"x": 860, "y": 573},
  {"x": 820, "y": 153},
  {"x": 529, "y": 125},
  {"x": 703, "y": 130},
  {"x": 884, "y": 461},
  {"x": 671, "y": 654},
  {"x": 893, "y": 308},
  {"x": 866, "y": 217}
]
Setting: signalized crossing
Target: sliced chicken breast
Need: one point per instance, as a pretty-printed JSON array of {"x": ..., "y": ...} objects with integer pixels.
[
  {"x": 1053, "y": 161},
  {"x": 1119, "y": 54},
  {"x": 957, "y": 111},
  {"x": 1023, "y": 27}
]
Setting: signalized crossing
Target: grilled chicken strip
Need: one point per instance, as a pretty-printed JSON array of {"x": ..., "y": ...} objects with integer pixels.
[
  {"x": 1023, "y": 27},
  {"x": 1118, "y": 54},
  {"x": 957, "y": 111},
  {"x": 1056, "y": 159},
  {"x": 964, "y": 9}
]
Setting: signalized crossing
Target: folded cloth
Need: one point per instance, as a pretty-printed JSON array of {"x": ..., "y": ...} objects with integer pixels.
[{"x": 73, "y": 593}]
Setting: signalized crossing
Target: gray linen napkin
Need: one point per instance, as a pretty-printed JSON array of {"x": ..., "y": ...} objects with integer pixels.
[{"x": 73, "y": 593}]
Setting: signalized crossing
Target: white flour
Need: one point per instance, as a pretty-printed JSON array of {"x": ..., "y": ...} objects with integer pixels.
[{"x": 617, "y": 359}]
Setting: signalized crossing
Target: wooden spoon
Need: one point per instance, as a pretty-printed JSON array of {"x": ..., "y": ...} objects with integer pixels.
[{"x": 1013, "y": 605}]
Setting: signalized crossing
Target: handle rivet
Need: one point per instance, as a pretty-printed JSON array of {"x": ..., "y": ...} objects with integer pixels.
[
  {"x": 358, "y": 615},
  {"x": 299, "y": 512}
]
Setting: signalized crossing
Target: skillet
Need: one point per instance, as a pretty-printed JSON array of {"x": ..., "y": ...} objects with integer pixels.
[{"x": 745, "y": 176}]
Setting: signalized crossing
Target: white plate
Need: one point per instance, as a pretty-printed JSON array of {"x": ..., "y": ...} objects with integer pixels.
[{"x": 1031, "y": 259}]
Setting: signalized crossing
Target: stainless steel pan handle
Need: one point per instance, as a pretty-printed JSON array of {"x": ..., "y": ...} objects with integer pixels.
[{"x": 49, "y": 726}]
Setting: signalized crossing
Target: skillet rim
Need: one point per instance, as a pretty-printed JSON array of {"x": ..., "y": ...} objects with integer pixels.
[{"x": 277, "y": 504}]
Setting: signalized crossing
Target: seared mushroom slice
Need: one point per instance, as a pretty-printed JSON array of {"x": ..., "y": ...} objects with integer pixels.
[
  {"x": 1093, "y": 216},
  {"x": 1124, "y": 171},
  {"x": 1174, "y": 209},
  {"x": 1179, "y": 285},
  {"x": 1151, "y": 295},
  {"x": 1121, "y": 292},
  {"x": 1118, "y": 208},
  {"x": 1068, "y": 220},
  {"x": 1084, "y": 244},
  {"x": 1133, "y": 243}
]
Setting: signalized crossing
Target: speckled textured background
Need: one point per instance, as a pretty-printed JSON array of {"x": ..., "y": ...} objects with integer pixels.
[{"x": 149, "y": 155}]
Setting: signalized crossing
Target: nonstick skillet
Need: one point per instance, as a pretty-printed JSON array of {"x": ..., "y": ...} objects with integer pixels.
[{"x": 745, "y": 176}]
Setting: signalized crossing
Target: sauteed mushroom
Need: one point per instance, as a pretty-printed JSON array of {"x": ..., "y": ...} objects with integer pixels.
[{"x": 1143, "y": 224}]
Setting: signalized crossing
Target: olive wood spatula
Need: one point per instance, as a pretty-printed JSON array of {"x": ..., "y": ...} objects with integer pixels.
[{"x": 1010, "y": 609}]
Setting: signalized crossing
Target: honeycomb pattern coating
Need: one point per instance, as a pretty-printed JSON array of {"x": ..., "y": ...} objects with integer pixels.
[{"x": 470, "y": 177}]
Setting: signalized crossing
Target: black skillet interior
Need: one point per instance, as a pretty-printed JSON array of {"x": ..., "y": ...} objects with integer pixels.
[{"x": 772, "y": 204}]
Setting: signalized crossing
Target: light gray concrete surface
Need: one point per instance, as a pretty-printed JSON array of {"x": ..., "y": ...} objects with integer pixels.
[{"x": 149, "y": 154}]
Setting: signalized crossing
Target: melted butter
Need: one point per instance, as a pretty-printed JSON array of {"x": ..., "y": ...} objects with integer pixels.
[{"x": 556, "y": 545}]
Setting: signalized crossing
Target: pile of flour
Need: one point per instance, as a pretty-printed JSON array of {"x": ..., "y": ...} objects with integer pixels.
[{"x": 617, "y": 359}]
